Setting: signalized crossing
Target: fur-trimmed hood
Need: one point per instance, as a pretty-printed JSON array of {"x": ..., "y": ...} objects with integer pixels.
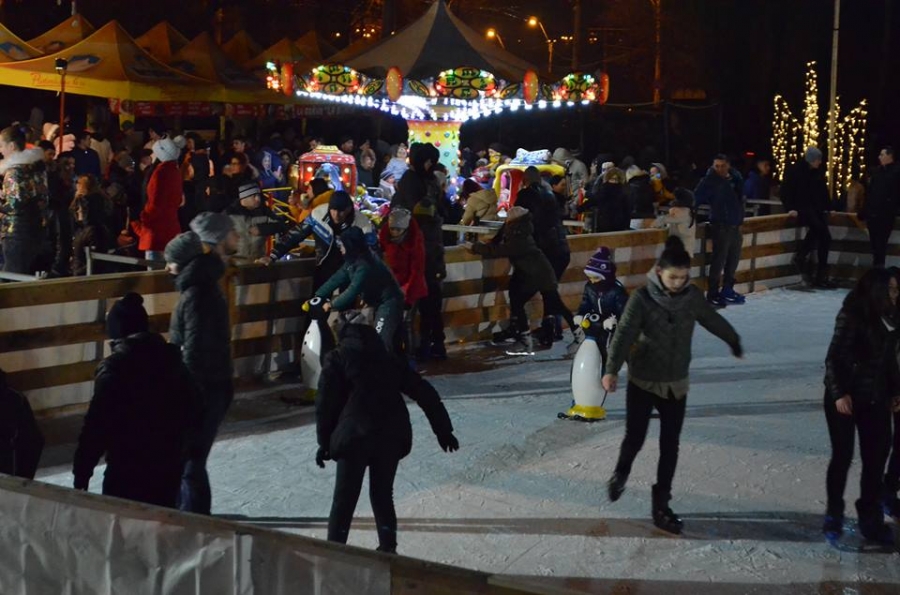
[{"x": 26, "y": 157}]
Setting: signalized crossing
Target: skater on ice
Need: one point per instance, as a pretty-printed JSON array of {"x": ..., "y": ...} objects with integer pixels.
[
  {"x": 655, "y": 336},
  {"x": 603, "y": 295}
]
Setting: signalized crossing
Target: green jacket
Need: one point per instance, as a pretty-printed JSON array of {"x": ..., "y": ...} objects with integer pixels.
[
  {"x": 656, "y": 330},
  {"x": 365, "y": 277},
  {"x": 515, "y": 241}
]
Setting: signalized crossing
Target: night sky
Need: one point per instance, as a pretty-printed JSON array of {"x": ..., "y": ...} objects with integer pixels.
[{"x": 740, "y": 52}]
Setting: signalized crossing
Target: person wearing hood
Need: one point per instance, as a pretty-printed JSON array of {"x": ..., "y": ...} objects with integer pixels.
[
  {"x": 271, "y": 174},
  {"x": 481, "y": 203},
  {"x": 722, "y": 189},
  {"x": 24, "y": 189},
  {"x": 419, "y": 181},
  {"x": 404, "y": 252},
  {"x": 532, "y": 273},
  {"x": 576, "y": 170},
  {"x": 158, "y": 222},
  {"x": 388, "y": 183},
  {"x": 139, "y": 418},
  {"x": 603, "y": 295},
  {"x": 364, "y": 276},
  {"x": 200, "y": 327},
  {"x": 658, "y": 177},
  {"x": 362, "y": 422},
  {"x": 654, "y": 335},
  {"x": 639, "y": 193},
  {"x": 254, "y": 223},
  {"x": 326, "y": 223},
  {"x": 21, "y": 441}
]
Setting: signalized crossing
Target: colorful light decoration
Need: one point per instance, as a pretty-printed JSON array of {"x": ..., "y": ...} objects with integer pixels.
[{"x": 846, "y": 150}]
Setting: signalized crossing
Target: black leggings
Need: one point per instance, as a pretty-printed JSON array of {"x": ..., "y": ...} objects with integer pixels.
[
  {"x": 873, "y": 423},
  {"x": 639, "y": 405},
  {"x": 818, "y": 236},
  {"x": 347, "y": 486},
  {"x": 553, "y": 305},
  {"x": 879, "y": 235}
]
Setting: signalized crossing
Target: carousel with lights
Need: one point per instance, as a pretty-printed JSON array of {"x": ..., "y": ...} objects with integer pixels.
[{"x": 437, "y": 74}]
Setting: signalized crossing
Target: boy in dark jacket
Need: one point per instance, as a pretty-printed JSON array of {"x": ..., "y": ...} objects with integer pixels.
[
  {"x": 139, "y": 419},
  {"x": 201, "y": 328},
  {"x": 431, "y": 318},
  {"x": 362, "y": 422},
  {"x": 603, "y": 295},
  {"x": 532, "y": 273},
  {"x": 21, "y": 442}
]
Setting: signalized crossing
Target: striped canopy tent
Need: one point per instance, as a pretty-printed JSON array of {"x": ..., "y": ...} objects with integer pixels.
[
  {"x": 74, "y": 29},
  {"x": 109, "y": 63},
  {"x": 241, "y": 48},
  {"x": 284, "y": 51},
  {"x": 163, "y": 41},
  {"x": 12, "y": 47},
  {"x": 314, "y": 47}
]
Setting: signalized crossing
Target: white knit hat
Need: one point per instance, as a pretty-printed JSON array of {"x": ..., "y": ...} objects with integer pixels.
[{"x": 165, "y": 150}]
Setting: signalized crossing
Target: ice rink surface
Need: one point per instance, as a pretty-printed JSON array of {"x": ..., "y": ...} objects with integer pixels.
[{"x": 525, "y": 494}]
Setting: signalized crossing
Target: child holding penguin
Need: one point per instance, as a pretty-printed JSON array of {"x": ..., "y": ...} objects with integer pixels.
[{"x": 603, "y": 295}]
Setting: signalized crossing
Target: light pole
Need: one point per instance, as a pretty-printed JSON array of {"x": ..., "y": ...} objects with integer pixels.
[
  {"x": 535, "y": 22},
  {"x": 494, "y": 34},
  {"x": 832, "y": 142},
  {"x": 61, "y": 65},
  {"x": 657, "y": 69}
]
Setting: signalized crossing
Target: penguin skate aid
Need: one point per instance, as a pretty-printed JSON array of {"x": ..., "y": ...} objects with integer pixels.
[{"x": 320, "y": 338}]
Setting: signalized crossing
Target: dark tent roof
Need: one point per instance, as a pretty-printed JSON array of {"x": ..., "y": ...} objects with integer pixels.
[{"x": 438, "y": 41}]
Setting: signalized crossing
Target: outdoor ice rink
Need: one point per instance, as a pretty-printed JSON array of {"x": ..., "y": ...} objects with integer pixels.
[{"x": 525, "y": 495}]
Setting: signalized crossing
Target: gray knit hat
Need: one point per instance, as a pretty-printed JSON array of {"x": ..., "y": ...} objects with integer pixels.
[
  {"x": 813, "y": 154},
  {"x": 183, "y": 248},
  {"x": 212, "y": 227},
  {"x": 399, "y": 218}
]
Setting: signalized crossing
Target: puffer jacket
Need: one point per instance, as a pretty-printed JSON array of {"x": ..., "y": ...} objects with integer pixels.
[
  {"x": 262, "y": 217},
  {"x": 656, "y": 329},
  {"x": 606, "y": 302},
  {"x": 24, "y": 185},
  {"x": 481, "y": 206},
  {"x": 359, "y": 404},
  {"x": 549, "y": 232},
  {"x": 365, "y": 277},
  {"x": 531, "y": 269},
  {"x": 610, "y": 207},
  {"x": 723, "y": 195},
  {"x": 200, "y": 324},
  {"x": 406, "y": 259},
  {"x": 868, "y": 373}
]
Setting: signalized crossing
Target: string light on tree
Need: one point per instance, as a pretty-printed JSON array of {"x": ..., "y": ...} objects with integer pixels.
[{"x": 811, "y": 108}]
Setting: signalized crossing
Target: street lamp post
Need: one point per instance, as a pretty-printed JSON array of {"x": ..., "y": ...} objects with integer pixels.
[
  {"x": 494, "y": 34},
  {"x": 657, "y": 68},
  {"x": 61, "y": 65},
  {"x": 535, "y": 22}
]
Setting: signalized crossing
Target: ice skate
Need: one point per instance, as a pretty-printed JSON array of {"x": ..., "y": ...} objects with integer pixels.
[
  {"x": 833, "y": 527},
  {"x": 505, "y": 337},
  {"x": 615, "y": 487},
  {"x": 730, "y": 296},
  {"x": 524, "y": 345},
  {"x": 663, "y": 517}
]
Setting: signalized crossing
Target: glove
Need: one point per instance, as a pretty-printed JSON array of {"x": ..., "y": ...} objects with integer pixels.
[
  {"x": 81, "y": 483},
  {"x": 448, "y": 442},
  {"x": 737, "y": 350},
  {"x": 610, "y": 323},
  {"x": 322, "y": 455}
]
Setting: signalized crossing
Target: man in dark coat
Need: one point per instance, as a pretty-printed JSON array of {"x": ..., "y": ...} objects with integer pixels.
[
  {"x": 362, "y": 422},
  {"x": 419, "y": 181},
  {"x": 21, "y": 442},
  {"x": 805, "y": 196},
  {"x": 201, "y": 328},
  {"x": 880, "y": 209},
  {"x": 144, "y": 404},
  {"x": 431, "y": 319}
]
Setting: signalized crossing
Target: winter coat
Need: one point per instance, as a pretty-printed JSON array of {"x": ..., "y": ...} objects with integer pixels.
[
  {"x": 432, "y": 235},
  {"x": 144, "y": 404},
  {"x": 262, "y": 217},
  {"x": 804, "y": 190},
  {"x": 21, "y": 442},
  {"x": 723, "y": 195},
  {"x": 200, "y": 323},
  {"x": 406, "y": 260},
  {"x": 480, "y": 206},
  {"x": 24, "y": 185},
  {"x": 359, "y": 404},
  {"x": 87, "y": 161},
  {"x": 416, "y": 184},
  {"x": 869, "y": 374},
  {"x": 549, "y": 232},
  {"x": 365, "y": 277},
  {"x": 158, "y": 222},
  {"x": 656, "y": 329},
  {"x": 611, "y": 208},
  {"x": 606, "y": 303},
  {"x": 531, "y": 269},
  {"x": 680, "y": 222},
  {"x": 883, "y": 197},
  {"x": 639, "y": 194},
  {"x": 757, "y": 187}
]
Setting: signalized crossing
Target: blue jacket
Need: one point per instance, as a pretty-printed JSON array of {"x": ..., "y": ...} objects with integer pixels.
[
  {"x": 723, "y": 195},
  {"x": 610, "y": 302}
]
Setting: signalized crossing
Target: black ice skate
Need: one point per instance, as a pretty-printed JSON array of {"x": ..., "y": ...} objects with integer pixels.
[
  {"x": 663, "y": 517},
  {"x": 615, "y": 487}
]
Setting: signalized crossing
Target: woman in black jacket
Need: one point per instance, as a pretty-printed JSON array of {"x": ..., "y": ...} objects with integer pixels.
[
  {"x": 362, "y": 421},
  {"x": 862, "y": 382}
]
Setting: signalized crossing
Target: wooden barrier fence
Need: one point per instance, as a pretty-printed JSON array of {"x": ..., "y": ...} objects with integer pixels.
[{"x": 52, "y": 333}]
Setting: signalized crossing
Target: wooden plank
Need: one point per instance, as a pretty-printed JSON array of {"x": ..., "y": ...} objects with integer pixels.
[
  {"x": 26, "y": 380},
  {"x": 70, "y": 334},
  {"x": 61, "y": 291},
  {"x": 267, "y": 311},
  {"x": 253, "y": 274},
  {"x": 263, "y": 345}
]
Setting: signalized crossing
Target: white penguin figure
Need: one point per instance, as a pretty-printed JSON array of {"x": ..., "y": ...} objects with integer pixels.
[
  {"x": 587, "y": 370},
  {"x": 314, "y": 345}
]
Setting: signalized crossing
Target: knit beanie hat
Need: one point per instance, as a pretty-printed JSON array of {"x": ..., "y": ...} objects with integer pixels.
[
  {"x": 183, "y": 248},
  {"x": 354, "y": 242},
  {"x": 165, "y": 150},
  {"x": 399, "y": 219},
  {"x": 211, "y": 227},
  {"x": 248, "y": 190},
  {"x": 340, "y": 201},
  {"x": 516, "y": 212},
  {"x": 813, "y": 154},
  {"x": 180, "y": 142},
  {"x": 127, "y": 317},
  {"x": 601, "y": 265}
]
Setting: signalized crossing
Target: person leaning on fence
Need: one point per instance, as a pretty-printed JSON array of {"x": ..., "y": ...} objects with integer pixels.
[
  {"x": 254, "y": 223},
  {"x": 200, "y": 326},
  {"x": 882, "y": 202},
  {"x": 21, "y": 442},
  {"x": 721, "y": 189},
  {"x": 143, "y": 407}
]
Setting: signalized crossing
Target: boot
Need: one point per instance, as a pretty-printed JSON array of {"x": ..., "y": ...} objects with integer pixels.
[
  {"x": 872, "y": 525},
  {"x": 505, "y": 337},
  {"x": 545, "y": 335},
  {"x": 663, "y": 517},
  {"x": 833, "y": 527},
  {"x": 524, "y": 345},
  {"x": 615, "y": 487},
  {"x": 731, "y": 296},
  {"x": 387, "y": 549}
]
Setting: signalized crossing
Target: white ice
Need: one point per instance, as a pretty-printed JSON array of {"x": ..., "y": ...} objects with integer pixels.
[{"x": 525, "y": 494}]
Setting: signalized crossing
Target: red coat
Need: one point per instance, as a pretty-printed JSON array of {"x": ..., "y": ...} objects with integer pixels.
[
  {"x": 407, "y": 261},
  {"x": 158, "y": 223}
]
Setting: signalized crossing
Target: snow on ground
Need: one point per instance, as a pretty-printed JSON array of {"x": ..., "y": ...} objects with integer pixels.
[{"x": 525, "y": 494}]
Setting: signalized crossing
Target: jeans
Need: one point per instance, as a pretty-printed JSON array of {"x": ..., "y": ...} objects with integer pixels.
[
  {"x": 388, "y": 322},
  {"x": 347, "y": 486},
  {"x": 196, "y": 494},
  {"x": 873, "y": 423},
  {"x": 639, "y": 405},
  {"x": 879, "y": 234},
  {"x": 726, "y": 253},
  {"x": 431, "y": 317},
  {"x": 519, "y": 296},
  {"x": 818, "y": 236}
]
